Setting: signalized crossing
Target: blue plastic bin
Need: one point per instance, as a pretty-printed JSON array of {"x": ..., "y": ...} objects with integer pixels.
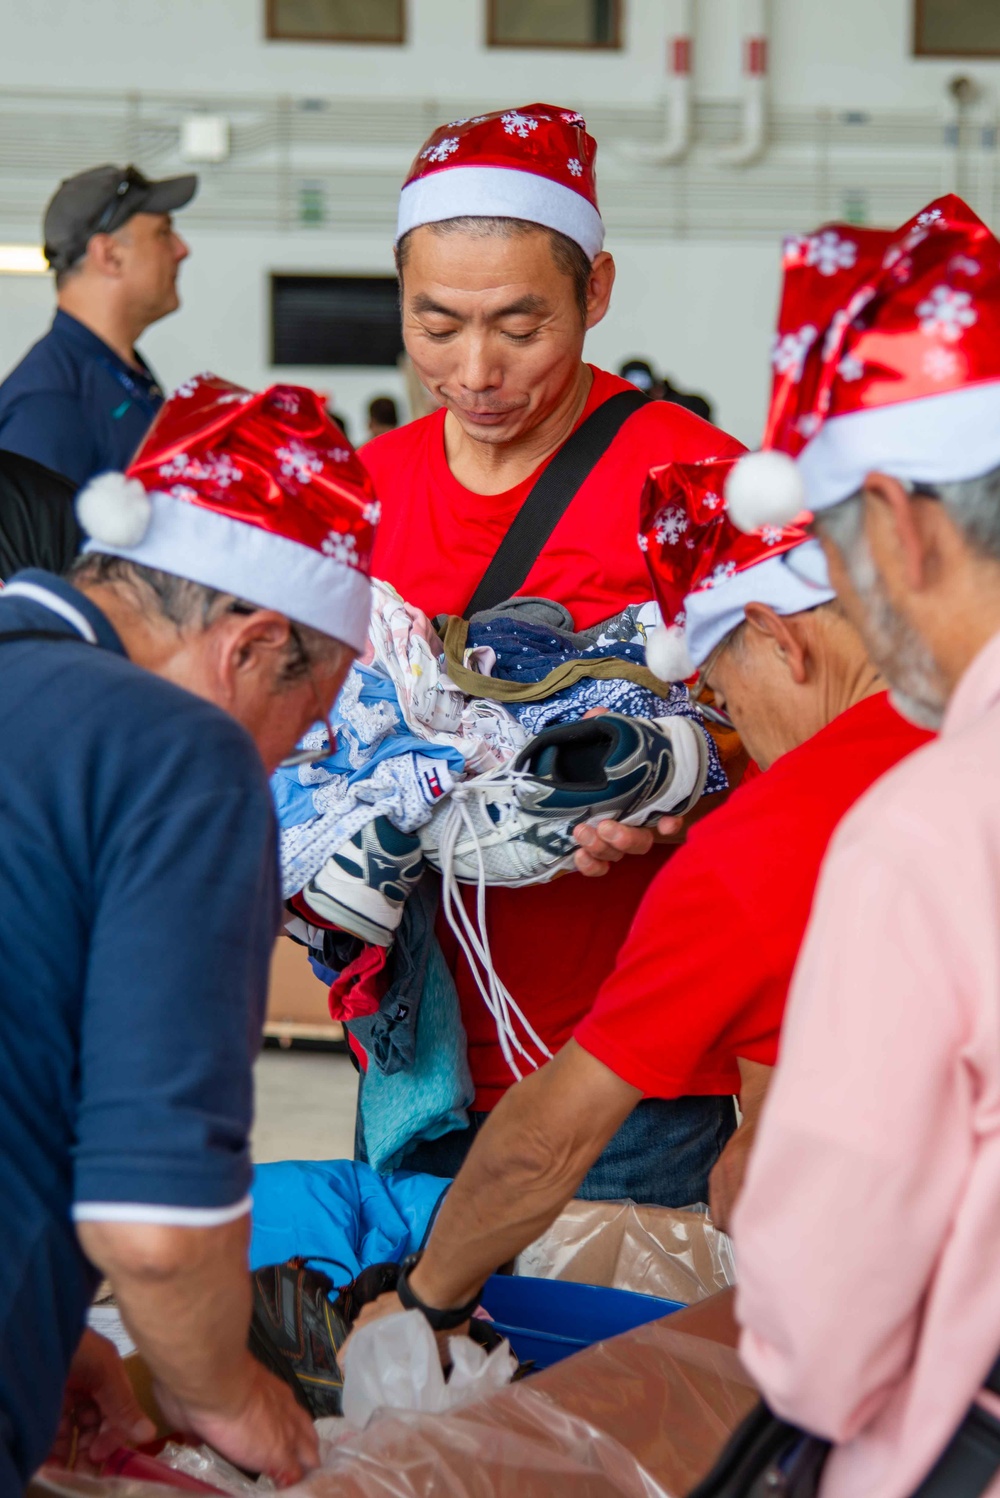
[{"x": 548, "y": 1320}]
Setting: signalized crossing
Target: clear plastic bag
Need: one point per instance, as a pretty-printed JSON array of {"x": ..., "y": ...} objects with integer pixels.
[
  {"x": 642, "y": 1416},
  {"x": 394, "y": 1364},
  {"x": 204, "y": 1463},
  {"x": 677, "y": 1254}
]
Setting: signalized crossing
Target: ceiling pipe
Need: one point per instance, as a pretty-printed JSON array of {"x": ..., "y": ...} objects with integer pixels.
[
  {"x": 754, "y": 46},
  {"x": 679, "y": 102}
]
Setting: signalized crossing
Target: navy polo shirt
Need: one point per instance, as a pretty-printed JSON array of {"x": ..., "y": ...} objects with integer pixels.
[
  {"x": 138, "y": 908},
  {"x": 74, "y": 405}
]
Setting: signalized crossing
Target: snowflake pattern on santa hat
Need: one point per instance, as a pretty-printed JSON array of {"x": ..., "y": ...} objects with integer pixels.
[
  {"x": 690, "y": 543},
  {"x": 274, "y": 460},
  {"x": 854, "y": 298},
  {"x": 830, "y": 252},
  {"x": 441, "y": 149},
  {"x": 549, "y": 149}
]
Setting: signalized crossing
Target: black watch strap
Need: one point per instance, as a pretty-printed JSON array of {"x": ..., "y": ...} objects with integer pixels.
[{"x": 439, "y": 1321}]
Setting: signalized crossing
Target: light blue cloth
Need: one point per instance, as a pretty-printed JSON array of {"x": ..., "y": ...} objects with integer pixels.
[
  {"x": 380, "y": 768},
  {"x": 339, "y": 1210},
  {"x": 431, "y": 1097}
]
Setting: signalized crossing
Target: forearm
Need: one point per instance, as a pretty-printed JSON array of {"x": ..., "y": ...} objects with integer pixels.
[
  {"x": 726, "y": 1179},
  {"x": 523, "y": 1168},
  {"x": 184, "y": 1294},
  {"x": 755, "y": 1079}
]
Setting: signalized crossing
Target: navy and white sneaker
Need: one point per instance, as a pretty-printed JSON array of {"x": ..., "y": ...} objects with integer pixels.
[
  {"x": 514, "y": 826},
  {"x": 364, "y": 886}
]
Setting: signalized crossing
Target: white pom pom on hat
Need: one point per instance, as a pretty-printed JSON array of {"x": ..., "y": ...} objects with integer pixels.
[
  {"x": 764, "y": 488},
  {"x": 114, "y": 510},
  {"x": 667, "y": 654}
]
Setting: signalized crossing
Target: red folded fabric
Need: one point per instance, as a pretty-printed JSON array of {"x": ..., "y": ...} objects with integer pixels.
[{"x": 361, "y": 987}]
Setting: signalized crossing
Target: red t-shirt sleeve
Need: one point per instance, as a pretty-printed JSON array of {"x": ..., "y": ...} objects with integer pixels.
[{"x": 695, "y": 985}]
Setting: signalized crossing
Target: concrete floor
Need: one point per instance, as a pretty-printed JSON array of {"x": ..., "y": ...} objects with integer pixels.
[{"x": 305, "y": 1106}]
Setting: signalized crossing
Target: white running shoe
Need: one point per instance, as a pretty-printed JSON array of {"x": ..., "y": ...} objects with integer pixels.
[
  {"x": 514, "y": 826},
  {"x": 363, "y": 887}
]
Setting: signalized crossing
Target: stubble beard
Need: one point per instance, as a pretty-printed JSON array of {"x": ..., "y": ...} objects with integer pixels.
[{"x": 916, "y": 686}]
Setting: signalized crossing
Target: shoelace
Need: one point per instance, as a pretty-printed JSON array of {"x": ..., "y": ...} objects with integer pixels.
[{"x": 472, "y": 936}]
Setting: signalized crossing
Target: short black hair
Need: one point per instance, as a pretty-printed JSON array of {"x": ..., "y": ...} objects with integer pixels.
[
  {"x": 569, "y": 257},
  {"x": 382, "y": 410}
]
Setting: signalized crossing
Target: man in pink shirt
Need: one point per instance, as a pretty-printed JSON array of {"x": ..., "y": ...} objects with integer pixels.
[{"x": 866, "y": 1231}]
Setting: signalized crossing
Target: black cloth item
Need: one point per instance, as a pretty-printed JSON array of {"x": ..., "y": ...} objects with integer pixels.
[
  {"x": 38, "y": 525},
  {"x": 390, "y": 1034}
]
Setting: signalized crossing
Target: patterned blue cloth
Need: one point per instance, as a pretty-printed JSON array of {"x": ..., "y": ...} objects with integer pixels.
[
  {"x": 380, "y": 769},
  {"x": 528, "y": 652}
]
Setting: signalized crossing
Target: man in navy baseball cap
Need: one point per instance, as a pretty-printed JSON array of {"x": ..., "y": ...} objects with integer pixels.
[{"x": 83, "y": 398}]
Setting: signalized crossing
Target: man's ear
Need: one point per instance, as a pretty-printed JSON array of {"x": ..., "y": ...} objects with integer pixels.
[
  {"x": 105, "y": 255},
  {"x": 786, "y": 640},
  {"x": 602, "y": 279},
  {"x": 249, "y": 643},
  {"x": 889, "y": 507}
]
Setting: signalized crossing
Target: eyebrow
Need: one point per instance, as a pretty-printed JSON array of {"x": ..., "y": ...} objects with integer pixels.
[{"x": 524, "y": 306}]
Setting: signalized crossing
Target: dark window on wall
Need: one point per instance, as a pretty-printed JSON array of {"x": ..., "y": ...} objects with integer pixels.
[
  {"x": 336, "y": 20},
  {"x": 956, "y": 28},
  {"x": 554, "y": 23},
  {"x": 335, "y": 320}
]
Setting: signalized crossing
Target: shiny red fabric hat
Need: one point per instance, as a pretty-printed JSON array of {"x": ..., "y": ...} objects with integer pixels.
[
  {"x": 535, "y": 162},
  {"x": 887, "y": 355},
  {"x": 704, "y": 570},
  {"x": 257, "y": 495}
]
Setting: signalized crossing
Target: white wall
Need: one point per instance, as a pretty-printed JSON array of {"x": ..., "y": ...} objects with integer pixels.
[
  {"x": 845, "y": 53},
  {"x": 701, "y": 308}
]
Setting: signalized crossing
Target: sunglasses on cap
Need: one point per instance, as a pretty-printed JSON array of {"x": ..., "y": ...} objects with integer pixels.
[{"x": 132, "y": 182}]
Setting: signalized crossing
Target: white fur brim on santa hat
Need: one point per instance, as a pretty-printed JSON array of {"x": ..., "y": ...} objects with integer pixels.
[
  {"x": 235, "y": 556},
  {"x": 500, "y": 192},
  {"x": 791, "y": 583},
  {"x": 936, "y": 439}
]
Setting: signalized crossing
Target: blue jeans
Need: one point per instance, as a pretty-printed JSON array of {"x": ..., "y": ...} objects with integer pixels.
[{"x": 661, "y": 1155}]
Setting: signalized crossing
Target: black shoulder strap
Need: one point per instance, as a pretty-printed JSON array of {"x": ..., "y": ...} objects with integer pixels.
[{"x": 550, "y": 498}]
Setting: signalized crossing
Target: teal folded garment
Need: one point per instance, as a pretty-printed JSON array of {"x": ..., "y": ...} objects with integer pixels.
[{"x": 431, "y": 1097}]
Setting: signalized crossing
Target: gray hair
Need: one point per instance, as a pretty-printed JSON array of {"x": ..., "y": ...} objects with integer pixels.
[
  {"x": 972, "y": 504},
  {"x": 569, "y": 257},
  {"x": 194, "y": 606},
  {"x": 919, "y": 690}
]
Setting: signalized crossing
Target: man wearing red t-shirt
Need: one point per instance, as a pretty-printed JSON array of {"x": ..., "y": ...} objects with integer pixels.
[
  {"x": 695, "y": 1004},
  {"x": 502, "y": 273}
]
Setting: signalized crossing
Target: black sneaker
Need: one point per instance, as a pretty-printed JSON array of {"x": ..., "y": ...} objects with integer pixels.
[{"x": 297, "y": 1329}]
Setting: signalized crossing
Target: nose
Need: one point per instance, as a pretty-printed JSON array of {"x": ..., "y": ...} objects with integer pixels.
[
  {"x": 181, "y": 249},
  {"x": 479, "y": 372}
]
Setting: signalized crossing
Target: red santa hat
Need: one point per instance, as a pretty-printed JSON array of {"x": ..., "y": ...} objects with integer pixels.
[
  {"x": 705, "y": 571},
  {"x": 887, "y": 356},
  {"x": 534, "y": 163},
  {"x": 258, "y": 495}
]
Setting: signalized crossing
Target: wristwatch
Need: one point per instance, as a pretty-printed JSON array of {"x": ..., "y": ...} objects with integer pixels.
[{"x": 439, "y": 1321}]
